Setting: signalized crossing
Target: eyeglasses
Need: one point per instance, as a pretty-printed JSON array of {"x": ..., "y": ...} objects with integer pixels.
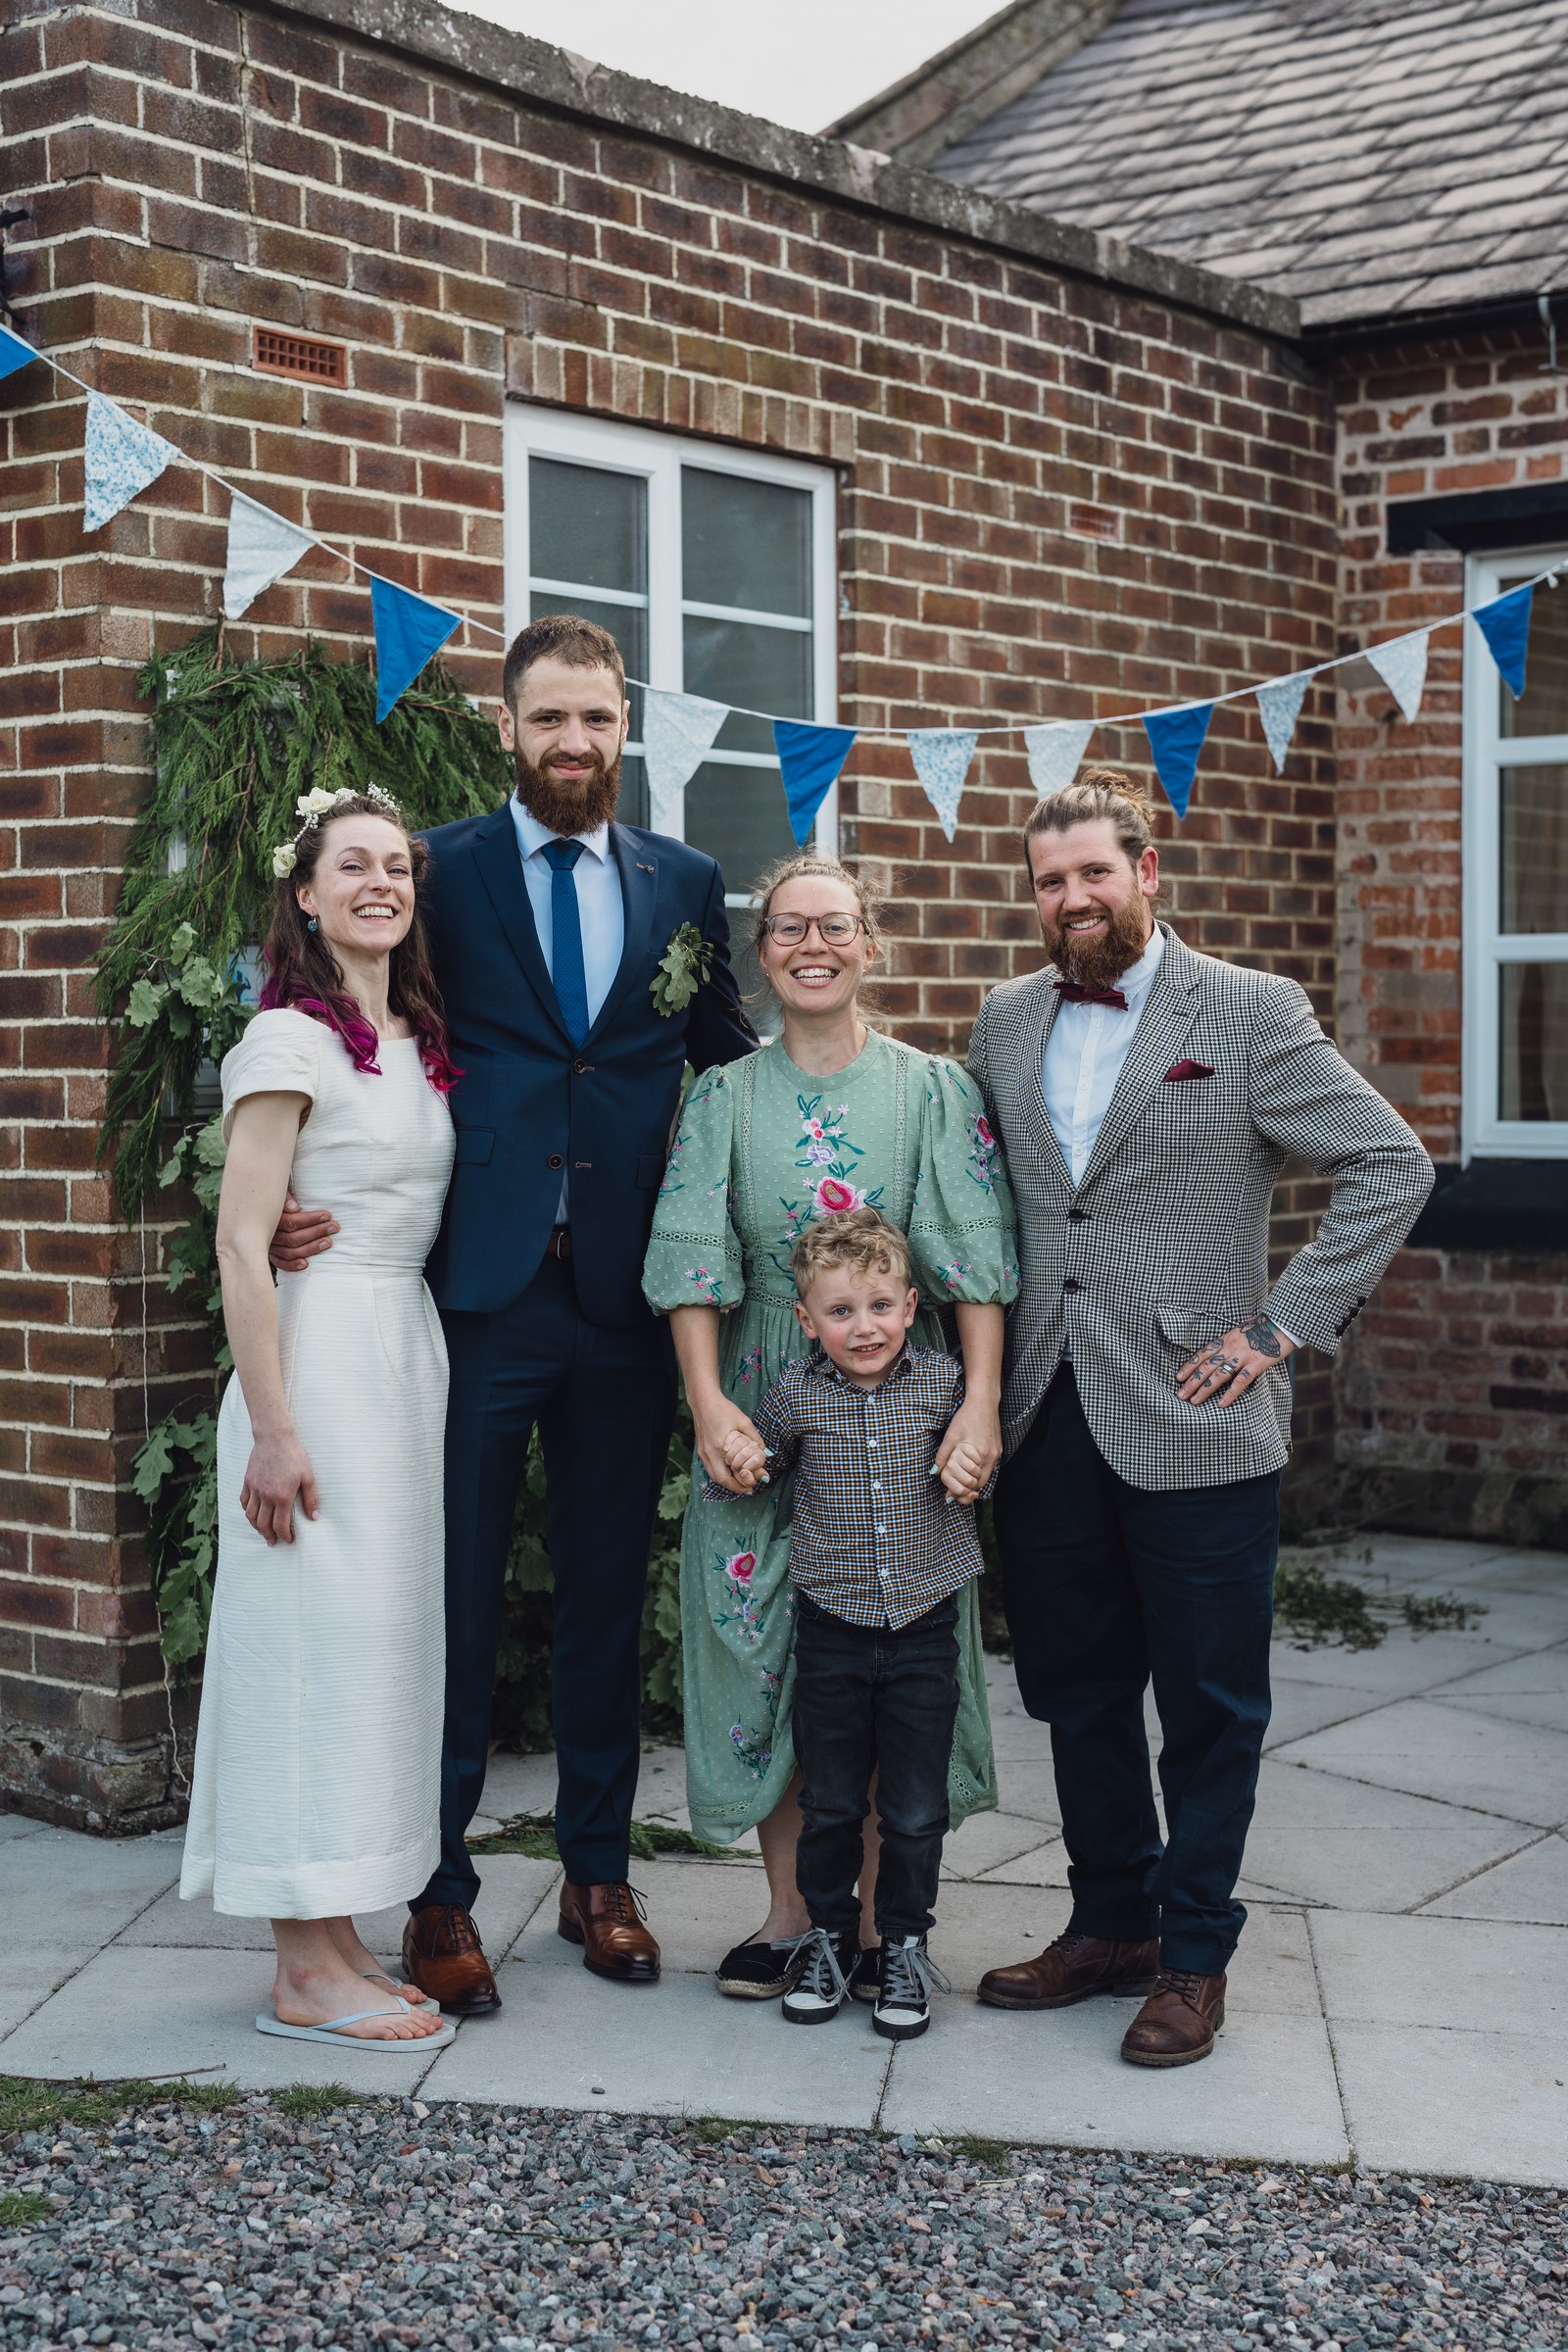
[{"x": 833, "y": 930}]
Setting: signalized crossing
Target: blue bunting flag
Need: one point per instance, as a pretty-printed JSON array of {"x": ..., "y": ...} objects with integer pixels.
[
  {"x": 1505, "y": 623},
  {"x": 13, "y": 352},
  {"x": 810, "y": 758},
  {"x": 1175, "y": 739},
  {"x": 408, "y": 630}
]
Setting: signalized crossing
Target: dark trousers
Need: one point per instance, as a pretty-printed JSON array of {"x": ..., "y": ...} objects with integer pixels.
[
  {"x": 1107, "y": 1586},
  {"x": 603, "y": 1401},
  {"x": 871, "y": 1700}
]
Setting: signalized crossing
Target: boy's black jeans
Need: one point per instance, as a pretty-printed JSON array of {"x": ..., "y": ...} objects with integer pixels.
[{"x": 871, "y": 1700}]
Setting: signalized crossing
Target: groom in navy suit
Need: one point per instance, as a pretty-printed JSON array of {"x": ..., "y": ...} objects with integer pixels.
[{"x": 547, "y": 923}]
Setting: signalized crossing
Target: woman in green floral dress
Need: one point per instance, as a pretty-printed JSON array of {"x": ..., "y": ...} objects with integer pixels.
[{"x": 829, "y": 1115}]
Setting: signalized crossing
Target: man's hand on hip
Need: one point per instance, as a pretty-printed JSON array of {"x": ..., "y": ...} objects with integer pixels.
[
  {"x": 302, "y": 1234},
  {"x": 1220, "y": 1373}
]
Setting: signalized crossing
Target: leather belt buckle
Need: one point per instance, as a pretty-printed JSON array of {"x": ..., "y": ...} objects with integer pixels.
[{"x": 559, "y": 1242}]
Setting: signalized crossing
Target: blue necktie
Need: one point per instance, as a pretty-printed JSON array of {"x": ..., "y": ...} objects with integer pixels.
[{"x": 566, "y": 934}]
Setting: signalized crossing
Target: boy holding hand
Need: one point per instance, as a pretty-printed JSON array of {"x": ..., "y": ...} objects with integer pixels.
[{"x": 880, "y": 1544}]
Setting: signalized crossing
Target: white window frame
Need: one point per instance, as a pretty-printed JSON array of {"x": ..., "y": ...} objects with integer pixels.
[
  {"x": 657, "y": 458},
  {"x": 1487, "y": 948}
]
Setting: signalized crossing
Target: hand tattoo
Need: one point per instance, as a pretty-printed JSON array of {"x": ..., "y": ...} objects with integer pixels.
[{"x": 1262, "y": 1335}]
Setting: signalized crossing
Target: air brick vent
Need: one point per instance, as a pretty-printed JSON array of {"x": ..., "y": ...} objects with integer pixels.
[{"x": 308, "y": 355}]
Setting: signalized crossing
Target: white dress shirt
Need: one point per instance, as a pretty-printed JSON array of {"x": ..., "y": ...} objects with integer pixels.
[
  {"x": 1084, "y": 1056},
  {"x": 600, "y": 910}
]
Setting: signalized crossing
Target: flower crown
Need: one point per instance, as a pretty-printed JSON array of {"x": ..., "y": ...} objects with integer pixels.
[{"x": 313, "y": 805}]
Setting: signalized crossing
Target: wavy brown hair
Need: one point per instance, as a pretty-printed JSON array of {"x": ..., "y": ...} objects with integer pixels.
[{"x": 303, "y": 976}]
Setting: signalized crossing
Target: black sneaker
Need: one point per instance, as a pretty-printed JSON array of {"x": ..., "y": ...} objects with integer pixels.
[
  {"x": 759, "y": 1972},
  {"x": 904, "y": 1999},
  {"x": 822, "y": 1986},
  {"x": 866, "y": 1982}
]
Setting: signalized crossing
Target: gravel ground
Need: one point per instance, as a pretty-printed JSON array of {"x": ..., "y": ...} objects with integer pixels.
[{"x": 380, "y": 2222}]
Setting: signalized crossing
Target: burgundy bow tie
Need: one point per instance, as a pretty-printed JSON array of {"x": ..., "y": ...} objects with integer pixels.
[{"x": 1071, "y": 994}]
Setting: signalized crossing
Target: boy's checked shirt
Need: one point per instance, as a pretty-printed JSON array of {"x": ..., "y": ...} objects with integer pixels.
[{"x": 875, "y": 1539}]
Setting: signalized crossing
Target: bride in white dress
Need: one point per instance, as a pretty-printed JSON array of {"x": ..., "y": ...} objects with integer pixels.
[{"x": 317, "y": 1785}]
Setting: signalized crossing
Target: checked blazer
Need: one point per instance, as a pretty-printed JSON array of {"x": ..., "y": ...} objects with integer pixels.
[{"x": 1164, "y": 1245}]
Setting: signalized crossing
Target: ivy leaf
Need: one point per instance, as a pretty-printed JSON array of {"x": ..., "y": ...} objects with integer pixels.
[
  {"x": 154, "y": 1462},
  {"x": 145, "y": 1004}
]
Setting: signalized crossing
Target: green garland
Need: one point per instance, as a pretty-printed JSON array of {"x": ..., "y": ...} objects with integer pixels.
[{"x": 234, "y": 744}]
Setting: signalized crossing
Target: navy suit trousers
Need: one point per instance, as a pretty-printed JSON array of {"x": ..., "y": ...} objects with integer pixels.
[
  {"x": 604, "y": 1400},
  {"x": 1108, "y": 1587}
]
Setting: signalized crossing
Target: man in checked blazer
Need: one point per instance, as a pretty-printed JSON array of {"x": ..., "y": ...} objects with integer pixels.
[{"x": 1147, "y": 1098}]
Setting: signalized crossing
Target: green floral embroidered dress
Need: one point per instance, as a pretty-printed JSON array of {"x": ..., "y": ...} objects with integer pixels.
[{"x": 763, "y": 1150}]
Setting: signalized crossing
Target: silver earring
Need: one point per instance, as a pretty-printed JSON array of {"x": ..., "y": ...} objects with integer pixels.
[{"x": 311, "y": 924}]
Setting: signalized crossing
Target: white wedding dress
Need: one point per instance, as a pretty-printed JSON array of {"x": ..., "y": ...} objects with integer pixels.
[{"x": 317, "y": 1776}]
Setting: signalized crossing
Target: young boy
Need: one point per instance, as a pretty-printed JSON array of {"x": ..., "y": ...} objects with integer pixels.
[{"x": 880, "y": 1544}]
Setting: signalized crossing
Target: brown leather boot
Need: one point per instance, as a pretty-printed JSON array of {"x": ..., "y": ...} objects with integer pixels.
[
  {"x": 1177, "y": 2024},
  {"x": 608, "y": 1922},
  {"x": 443, "y": 1955},
  {"x": 1072, "y": 1969}
]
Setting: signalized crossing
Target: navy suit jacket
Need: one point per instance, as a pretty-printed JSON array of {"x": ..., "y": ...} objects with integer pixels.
[{"x": 530, "y": 1105}]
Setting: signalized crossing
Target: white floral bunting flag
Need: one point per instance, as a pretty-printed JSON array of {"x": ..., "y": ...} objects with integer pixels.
[
  {"x": 942, "y": 756},
  {"x": 122, "y": 458},
  {"x": 1055, "y": 752},
  {"x": 679, "y": 731},
  {"x": 1279, "y": 705}
]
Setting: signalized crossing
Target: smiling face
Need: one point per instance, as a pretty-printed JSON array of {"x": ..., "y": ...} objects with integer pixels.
[
  {"x": 814, "y": 975},
  {"x": 859, "y": 1319},
  {"x": 362, "y": 890},
  {"x": 565, "y": 734},
  {"x": 1096, "y": 907}
]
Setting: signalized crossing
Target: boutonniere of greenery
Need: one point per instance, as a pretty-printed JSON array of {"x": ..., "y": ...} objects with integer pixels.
[{"x": 682, "y": 968}]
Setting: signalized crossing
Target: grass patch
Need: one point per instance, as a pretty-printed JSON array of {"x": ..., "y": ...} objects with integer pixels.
[
  {"x": 28, "y": 2106},
  {"x": 22, "y": 2208},
  {"x": 992, "y": 2154},
  {"x": 714, "y": 2129},
  {"x": 302, "y": 2102},
  {"x": 1316, "y": 1608},
  {"x": 534, "y": 1834}
]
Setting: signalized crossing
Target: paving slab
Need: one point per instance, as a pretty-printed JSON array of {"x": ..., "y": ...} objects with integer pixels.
[
  {"x": 138, "y": 2012},
  {"x": 1517, "y": 1771},
  {"x": 1298, "y": 1707},
  {"x": 1043, "y": 1865},
  {"x": 511, "y": 1890},
  {"x": 1530, "y": 1886},
  {"x": 1429, "y": 2100},
  {"x": 984, "y": 1840},
  {"x": 565, "y": 2038},
  {"x": 1532, "y": 1689},
  {"x": 1402, "y": 1664},
  {"x": 63, "y": 1891},
  {"x": 18, "y": 1825},
  {"x": 1056, "y": 2078},
  {"x": 1491, "y": 1976},
  {"x": 1322, "y": 1838}
]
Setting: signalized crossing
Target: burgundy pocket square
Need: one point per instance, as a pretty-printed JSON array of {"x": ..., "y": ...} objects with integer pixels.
[{"x": 1189, "y": 1069}]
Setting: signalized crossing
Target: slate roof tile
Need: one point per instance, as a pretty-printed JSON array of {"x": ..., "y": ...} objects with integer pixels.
[{"x": 1320, "y": 147}]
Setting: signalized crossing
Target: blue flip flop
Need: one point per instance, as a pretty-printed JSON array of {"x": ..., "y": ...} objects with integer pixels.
[{"x": 332, "y": 2032}]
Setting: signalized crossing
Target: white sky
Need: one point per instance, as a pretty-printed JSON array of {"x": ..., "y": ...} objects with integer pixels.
[{"x": 801, "y": 63}]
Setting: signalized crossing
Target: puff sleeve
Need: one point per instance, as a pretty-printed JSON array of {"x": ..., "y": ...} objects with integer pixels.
[
  {"x": 279, "y": 1053},
  {"x": 961, "y": 1223},
  {"x": 694, "y": 1252}
]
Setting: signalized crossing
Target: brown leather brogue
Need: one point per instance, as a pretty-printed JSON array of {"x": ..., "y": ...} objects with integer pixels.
[
  {"x": 1177, "y": 2024},
  {"x": 1072, "y": 1969},
  {"x": 443, "y": 1955},
  {"x": 608, "y": 1922}
]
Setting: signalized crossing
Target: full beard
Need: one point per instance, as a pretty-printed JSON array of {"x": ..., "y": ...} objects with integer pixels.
[
  {"x": 568, "y": 805},
  {"x": 1099, "y": 961}
]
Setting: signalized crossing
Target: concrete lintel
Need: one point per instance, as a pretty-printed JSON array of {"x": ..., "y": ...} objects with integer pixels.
[{"x": 533, "y": 69}]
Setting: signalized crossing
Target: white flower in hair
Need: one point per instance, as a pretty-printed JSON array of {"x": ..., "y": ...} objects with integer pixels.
[
  {"x": 315, "y": 803},
  {"x": 285, "y": 861}
]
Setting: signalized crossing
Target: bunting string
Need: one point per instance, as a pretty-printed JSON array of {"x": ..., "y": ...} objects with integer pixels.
[{"x": 123, "y": 457}]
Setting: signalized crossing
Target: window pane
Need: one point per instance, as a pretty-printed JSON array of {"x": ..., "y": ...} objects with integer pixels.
[
  {"x": 1534, "y": 1057},
  {"x": 1535, "y": 848},
  {"x": 745, "y": 543},
  {"x": 629, "y": 628},
  {"x": 737, "y": 814},
  {"x": 1542, "y": 708},
  {"x": 587, "y": 524},
  {"x": 736, "y": 662}
]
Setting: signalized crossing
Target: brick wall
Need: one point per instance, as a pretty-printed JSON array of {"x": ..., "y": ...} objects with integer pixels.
[
  {"x": 1446, "y": 1392},
  {"x": 1059, "y": 497}
]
